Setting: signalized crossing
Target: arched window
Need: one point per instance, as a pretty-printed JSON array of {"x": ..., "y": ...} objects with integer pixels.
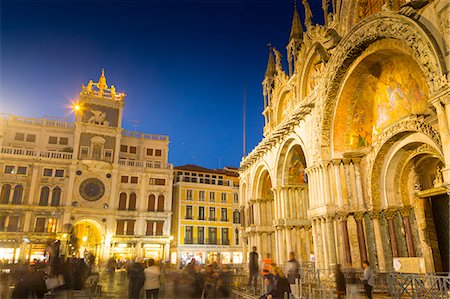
[
  {"x": 97, "y": 152},
  {"x": 151, "y": 202},
  {"x": 4, "y": 195},
  {"x": 17, "y": 196},
  {"x": 123, "y": 201},
  {"x": 43, "y": 199},
  {"x": 56, "y": 197},
  {"x": 160, "y": 203},
  {"x": 236, "y": 217},
  {"x": 132, "y": 202}
]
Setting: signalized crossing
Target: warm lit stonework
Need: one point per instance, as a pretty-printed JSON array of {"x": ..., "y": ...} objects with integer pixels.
[
  {"x": 355, "y": 160},
  {"x": 206, "y": 216},
  {"x": 90, "y": 183}
]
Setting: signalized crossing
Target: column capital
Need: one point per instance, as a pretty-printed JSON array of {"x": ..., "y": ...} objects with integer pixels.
[
  {"x": 405, "y": 211},
  {"x": 342, "y": 216},
  {"x": 389, "y": 213},
  {"x": 359, "y": 215},
  {"x": 375, "y": 214}
]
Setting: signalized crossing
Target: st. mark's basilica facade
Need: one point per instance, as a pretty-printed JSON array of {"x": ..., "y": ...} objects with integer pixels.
[{"x": 355, "y": 160}]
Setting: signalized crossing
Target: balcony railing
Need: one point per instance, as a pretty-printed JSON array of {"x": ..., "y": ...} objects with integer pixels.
[
  {"x": 145, "y": 136},
  {"x": 35, "y": 153},
  {"x": 45, "y": 122},
  {"x": 145, "y": 164}
]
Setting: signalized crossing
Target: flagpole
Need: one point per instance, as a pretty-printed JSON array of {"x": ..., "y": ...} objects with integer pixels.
[{"x": 244, "y": 133}]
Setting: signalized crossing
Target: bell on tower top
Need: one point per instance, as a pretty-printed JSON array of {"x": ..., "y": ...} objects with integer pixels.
[{"x": 102, "y": 81}]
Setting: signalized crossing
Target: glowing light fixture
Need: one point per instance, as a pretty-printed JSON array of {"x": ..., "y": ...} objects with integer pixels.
[{"x": 84, "y": 238}]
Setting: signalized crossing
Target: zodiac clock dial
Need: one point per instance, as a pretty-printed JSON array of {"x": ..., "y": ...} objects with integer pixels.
[{"x": 92, "y": 189}]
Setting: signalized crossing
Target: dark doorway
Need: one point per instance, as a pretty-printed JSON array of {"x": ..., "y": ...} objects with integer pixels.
[{"x": 441, "y": 215}]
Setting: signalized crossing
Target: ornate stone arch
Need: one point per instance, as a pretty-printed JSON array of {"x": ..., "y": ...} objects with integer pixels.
[
  {"x": 379, "y": 26},
  {"x": 259, "y": 170},
  {"x": 283, "y": 152},
  {"x": 388, "y": 138}
]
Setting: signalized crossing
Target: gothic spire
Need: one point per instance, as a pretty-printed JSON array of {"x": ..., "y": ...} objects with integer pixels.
[
  {"x": 270, "y": 70},
  {"x": 296, "y": 28}
]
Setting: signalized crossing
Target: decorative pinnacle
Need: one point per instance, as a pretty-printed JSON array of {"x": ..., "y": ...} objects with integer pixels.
[
  {"x": 102, "y": 81},
  {"x": 270, "y": 70}
]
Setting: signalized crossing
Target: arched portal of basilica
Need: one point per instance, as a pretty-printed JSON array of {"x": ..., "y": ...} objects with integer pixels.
[{"x": 355, "y": 160}]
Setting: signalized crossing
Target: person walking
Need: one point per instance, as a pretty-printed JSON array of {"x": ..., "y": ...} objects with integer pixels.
[
  {"x": 136, "y": 277},
  {"x": 152, "y": 280},
  {"x": 292, "y": 268},
  {"x": 368, "y": 279},
  {"x": 280, "y": 286},
  {"x": 253, "y": 267},
  {"x": 266, "y": 273},
  {"x": 340, "y": 282}
]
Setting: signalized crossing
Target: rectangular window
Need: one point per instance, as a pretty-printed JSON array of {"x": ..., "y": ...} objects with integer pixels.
[
  {"x": 120, "y": 227},
  {"x": 212, "y": 235},
  {"x": 189, "y": 194},
  {"x": 236, "y": 237},
  {"x": 130, "y": 227},
  {"x": 48, "y": 172},
  {"x": 53, "y": 140},
  {"x": 149, "y": 231},
  {"x": 212, "y": 196},
  {"x": 160, "y": 182},
  {"x": 223, "y": 214},
  {"x": 201, "y": 235},
  {"x": 188, "y": 212},
  {"x": 133, "y": 150},
  {"x": 108, "y": 154},
  {"x": 188, "y": 235},
  {"x": 31, "y": 138},
  {"x": 134, "y": 180},
  {"x": 51, "y": 227},
  {"x": 201, "y": 195},
  {"x": 63, "y": 140},
  {"x": 124, "y": 149},
  {"x": 201, "y": 213},
  {"x": 22, "y": 170},
  {"x": 9, "y": 169},
  {"x": 2, "y": 222},
  {"x": 158, "y": 153},
  {"x": 124, "y": 179},
  {"x": 19, "y": 137},
  {"x": 159, "y": 228},
  {"x": 225, "y": 240},
  {"x": 59, "y": 173},
  {"x": 149, "y": 152},
  {"x": 212, "y": 214},
  {"x": 223, "y": 197},
  {"x": 235, "y": 198},
  {"x": 13, "y": 225},
  {"x": 40, "y": 225},
  {"x": 84, "y": 152}
]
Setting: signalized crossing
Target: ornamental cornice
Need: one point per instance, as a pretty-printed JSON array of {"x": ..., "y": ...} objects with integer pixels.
[{"x": 277, "y": 135}]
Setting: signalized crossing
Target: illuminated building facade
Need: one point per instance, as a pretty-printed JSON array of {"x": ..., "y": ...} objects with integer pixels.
[
  {"x": 206, "y": 221},
  {"x": 355, "y": 160},
  {"x": 91, "y": 184}
]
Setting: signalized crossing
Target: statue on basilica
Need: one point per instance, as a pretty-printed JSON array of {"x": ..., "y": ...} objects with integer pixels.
[
  {"x": 438, "y": 180},
  {"x": 308, "y": 14}
]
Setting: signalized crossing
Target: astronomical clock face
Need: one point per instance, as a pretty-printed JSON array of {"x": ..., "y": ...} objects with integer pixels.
[{"x": 92, "y": 189}]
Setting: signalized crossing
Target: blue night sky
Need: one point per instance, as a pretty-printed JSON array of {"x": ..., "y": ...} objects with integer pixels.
[{"x": 183, "y": 65}]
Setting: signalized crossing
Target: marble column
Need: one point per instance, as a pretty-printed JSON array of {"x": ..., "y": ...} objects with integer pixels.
[
  {"x": 408, "y": 232},
  {"x": 325, "y": 245},
  {"x": 361, "y": 237},
  {"x": 375, "y": 216},
  {"x": 345, "y": 240},
  {"x": 316, "y": 240},
  {"x": 331, "y": 242},
  {"x": 443, "y": 114},
  {"x": 390, "y": 220}
]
